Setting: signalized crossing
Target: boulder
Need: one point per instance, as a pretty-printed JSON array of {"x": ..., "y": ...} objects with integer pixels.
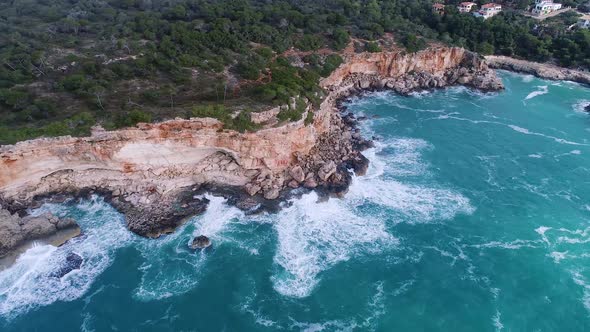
[
  {"x": 272, "y": 193},
  {"x": 65, "y": 223},
  {"x": 251, "y": 173},
  {"x": 200, "y": 242},
  {"x": 252, "y": 189},
  {"x": 587, "y": 108},
  {"x": 247, "y": 203},
  {"x": 464, "y": 79},
  {"x": 310, "y": 183},
  {"x": 297, "y": 174},
  {"x": 327, "y": 170},
  {"x": 294, "y": 184}
]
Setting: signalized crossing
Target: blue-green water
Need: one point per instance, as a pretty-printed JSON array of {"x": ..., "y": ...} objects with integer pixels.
[{"x": 474, "y": 216}]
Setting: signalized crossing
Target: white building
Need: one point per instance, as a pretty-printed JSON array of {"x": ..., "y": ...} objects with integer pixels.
[
  {"x": 584, "y": 22},
  {"x": 466, "y": 7},
  {"x": 488, "y": 10},
  {"x": 544, "y": 7}
]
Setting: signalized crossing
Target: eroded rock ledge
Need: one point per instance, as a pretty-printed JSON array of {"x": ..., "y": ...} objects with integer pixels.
[{"x": 153, "y": 172}]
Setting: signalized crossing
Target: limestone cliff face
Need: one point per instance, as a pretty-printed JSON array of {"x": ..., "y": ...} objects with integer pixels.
[
  {"x": 150, "y": 163},
  {"x": 404, "y": 72},
  {"x": 169, "y": 154},
  {"x": 396, "y": 64}
]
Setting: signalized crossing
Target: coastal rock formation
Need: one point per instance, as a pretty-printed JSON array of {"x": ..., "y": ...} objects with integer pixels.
[
  {"x": 404, "y": 73},
  {"x": 542, "y": 70},
  {"x": 201, "y": 242},
  {"x": 154, "y": 172},
  {"x": 15, "y": 231}
]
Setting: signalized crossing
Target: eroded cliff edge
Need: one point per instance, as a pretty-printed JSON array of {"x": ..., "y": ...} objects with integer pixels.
[{"x": 153, "y": 171}]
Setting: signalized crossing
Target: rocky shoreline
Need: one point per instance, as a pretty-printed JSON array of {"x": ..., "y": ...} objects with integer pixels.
[
  {"x": 156, "y": 174},
  {"x": 541, "y": 70},
  {"x": 17, "y": 231}
]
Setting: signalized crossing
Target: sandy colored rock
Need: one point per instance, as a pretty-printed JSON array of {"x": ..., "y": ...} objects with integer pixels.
[{"x": 297, "y": 173}]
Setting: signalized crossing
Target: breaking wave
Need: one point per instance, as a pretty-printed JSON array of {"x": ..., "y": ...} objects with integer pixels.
[
  {"x": 543, "y": 89},
  {"x": 30, "y": 283},
  {"x": 314, "y": 236},
  {"x": 170, "y": 267}
]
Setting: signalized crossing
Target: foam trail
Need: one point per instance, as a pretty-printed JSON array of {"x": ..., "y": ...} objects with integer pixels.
[
  {"x": 29, "y": 283},
  {"x": 543, "y": 89},
  {"x": 556, "y": 139}
]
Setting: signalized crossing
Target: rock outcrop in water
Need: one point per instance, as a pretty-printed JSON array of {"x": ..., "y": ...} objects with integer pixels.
[
  {"x": 72, "y": 262},
  {"x": 542, "y": 70},
  {"x": 16, "y": 230},
  {"x": 153, "y": 171},
  {"x": 201, "y": 242}
]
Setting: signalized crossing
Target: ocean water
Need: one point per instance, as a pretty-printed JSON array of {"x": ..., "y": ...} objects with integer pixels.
[{"x": 474, "y": 216}]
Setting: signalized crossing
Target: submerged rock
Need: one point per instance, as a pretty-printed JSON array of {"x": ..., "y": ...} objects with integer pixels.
[
  {"x": 587, "y": 108},
  {"x": 200, "y": 242},
  {"x": 73, "y": 262}
]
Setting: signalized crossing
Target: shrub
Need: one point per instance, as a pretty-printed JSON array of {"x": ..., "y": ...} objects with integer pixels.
[
  {"x": 132, "y": 118},
  {"x": 372, "y": 47}
]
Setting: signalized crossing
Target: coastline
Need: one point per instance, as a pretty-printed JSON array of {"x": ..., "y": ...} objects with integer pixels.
[
  {"x": 156, "y": 197},
  {"x": 541, "y": 70}
]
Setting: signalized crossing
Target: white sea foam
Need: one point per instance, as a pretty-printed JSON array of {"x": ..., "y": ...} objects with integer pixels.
[
  {"x": 580, "y": 280},
  {"x": 513, "y": 245},
  {"x": 541, "y": 231},
  {"x": 543, "y": 89},
  {"x": 580, "y": 106},
  {"x": 536, "y": 155},
  {"x": 170, "y": 267},
  {"x": 558, "y": 256},
  {"x": 497, "y": 321},
  {"x": 313, "y": 237},
  {"x": 556, "y": 139},
  {"x": 404, "y": 157},
  {"x": 29, "y": 284},
  {"x": 528, "y": 78}
]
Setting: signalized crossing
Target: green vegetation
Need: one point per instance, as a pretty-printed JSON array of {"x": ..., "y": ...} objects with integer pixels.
[
  {"x": 66, "y": 65},
  {"x": 240, "y": 122}
]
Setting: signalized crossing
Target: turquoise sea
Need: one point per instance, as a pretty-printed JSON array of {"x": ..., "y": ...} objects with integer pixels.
[{"x": 474, "y": 216}]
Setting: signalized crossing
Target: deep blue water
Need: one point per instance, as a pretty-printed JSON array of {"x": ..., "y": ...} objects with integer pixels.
[{"x": 474, "y": 216}]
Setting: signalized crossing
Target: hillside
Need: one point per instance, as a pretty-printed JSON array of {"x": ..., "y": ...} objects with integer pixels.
[{"x": 67, "y": 65}]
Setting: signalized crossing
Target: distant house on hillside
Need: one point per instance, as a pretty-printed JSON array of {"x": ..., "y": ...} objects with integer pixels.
[
  {"x": 466, "y": 7},
  {"x": 544, "y": 7},
  {"x": 584, "y": 22},
  {"x": 438, "y": 8},
  {"x": 488, "y": 10}
]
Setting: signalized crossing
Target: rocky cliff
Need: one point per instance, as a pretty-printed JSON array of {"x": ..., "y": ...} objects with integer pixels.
[
  {"x": 151, "y": 172},
  {"x": 541, "y": 70},
  {"x": 404, "y": 73}
]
